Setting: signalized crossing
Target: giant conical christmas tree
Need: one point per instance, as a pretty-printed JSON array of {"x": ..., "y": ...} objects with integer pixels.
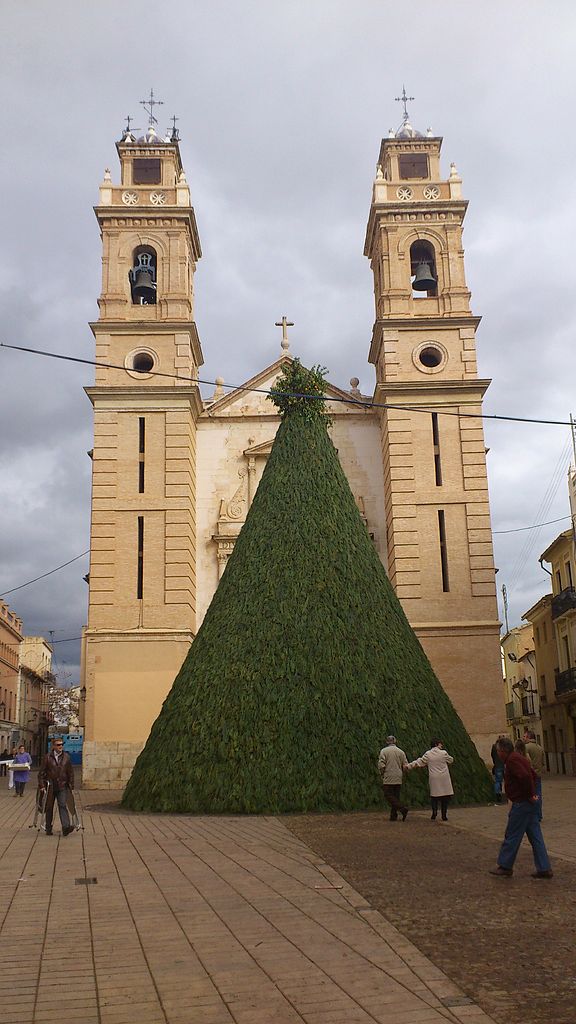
[{"x": 305, "y": 659}]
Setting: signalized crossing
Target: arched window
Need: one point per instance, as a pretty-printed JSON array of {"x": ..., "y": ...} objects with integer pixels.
[
  {"x": 142, "y": 276},
  {"x": 423, "y": 269}
]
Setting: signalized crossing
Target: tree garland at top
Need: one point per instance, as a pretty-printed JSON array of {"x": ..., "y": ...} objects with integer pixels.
[{"x": 300, "y": 390}]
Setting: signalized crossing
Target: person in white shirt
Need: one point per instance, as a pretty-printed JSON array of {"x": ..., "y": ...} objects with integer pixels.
[{"x": 436, "y": 760}]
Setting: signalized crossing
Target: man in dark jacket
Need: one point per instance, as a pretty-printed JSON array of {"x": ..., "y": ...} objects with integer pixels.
[
  {"x": 520, "y": 788},
  {"x": 57, "y": 777},
  {"x": 497, "y": 769}
]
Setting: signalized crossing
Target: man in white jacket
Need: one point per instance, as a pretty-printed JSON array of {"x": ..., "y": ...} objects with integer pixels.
[{"x": 391, "y": 767}]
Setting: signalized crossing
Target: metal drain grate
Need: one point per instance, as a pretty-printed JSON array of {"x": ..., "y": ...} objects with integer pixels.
[{"x": 86, "y": 881}]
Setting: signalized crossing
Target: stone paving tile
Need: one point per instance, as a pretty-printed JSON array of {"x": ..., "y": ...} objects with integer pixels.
[{"x": 214, "y": 920}]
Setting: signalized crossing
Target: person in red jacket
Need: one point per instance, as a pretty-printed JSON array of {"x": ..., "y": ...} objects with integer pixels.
[{"x": 520, "y": 788}]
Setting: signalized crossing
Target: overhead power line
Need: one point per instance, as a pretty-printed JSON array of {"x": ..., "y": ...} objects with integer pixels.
[
  {"x": 520, "y": 529},
  {"x": 266, "y": 391},
  {"x": 44, "y": 575}
]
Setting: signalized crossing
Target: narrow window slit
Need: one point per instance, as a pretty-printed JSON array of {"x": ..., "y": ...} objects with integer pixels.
[
  {"x": 443, "y": 550},
  {"x": 141, "y": 451},
  {"x": 140, "y": 576},
  {"x": 436, "y": 443}
]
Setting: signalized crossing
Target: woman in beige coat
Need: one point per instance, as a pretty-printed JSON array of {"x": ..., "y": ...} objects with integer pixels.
[{"x": 436, "y": 760}]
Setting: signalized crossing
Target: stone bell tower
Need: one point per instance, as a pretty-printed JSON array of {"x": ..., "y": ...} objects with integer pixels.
[
  {"x": 141, "y": 616},
  {"x": 439, "y": 540}
]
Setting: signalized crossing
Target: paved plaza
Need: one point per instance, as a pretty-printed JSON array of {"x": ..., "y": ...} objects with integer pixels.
[{"x": 174, "y": 920}]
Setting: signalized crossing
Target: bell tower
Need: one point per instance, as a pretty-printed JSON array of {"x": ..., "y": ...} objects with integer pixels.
[
  {"x": 142, "y": 600},
  {"x": 439, "y": 540}
]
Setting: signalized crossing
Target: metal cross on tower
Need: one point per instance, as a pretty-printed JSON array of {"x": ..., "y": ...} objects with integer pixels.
[
  {"x": 404, "y": 99},
  {"x": 151, "y": 103},
  {"x": 284, "y": 323}
]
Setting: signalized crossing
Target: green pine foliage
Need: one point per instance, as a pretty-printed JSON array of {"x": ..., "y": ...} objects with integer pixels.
[{"x": 305, "y": 660}]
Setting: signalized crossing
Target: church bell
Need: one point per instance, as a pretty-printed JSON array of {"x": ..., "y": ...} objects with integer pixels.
[
  {"x": 143, "y": 280},
  {"x": 423, "y": 281}
]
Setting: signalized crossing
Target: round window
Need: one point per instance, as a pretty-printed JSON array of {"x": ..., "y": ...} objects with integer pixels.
[
  {"x": 430, "y": 356},
  {"x": 142, "y": 362}
]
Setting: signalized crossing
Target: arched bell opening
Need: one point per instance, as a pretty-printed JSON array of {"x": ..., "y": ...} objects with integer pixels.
[
  {"x": 423, "y": 269},
  {"x": 142, "y": 276}
]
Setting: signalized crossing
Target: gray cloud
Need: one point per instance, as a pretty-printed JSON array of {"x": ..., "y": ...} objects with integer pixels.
[{"x": 282, "y": 108}]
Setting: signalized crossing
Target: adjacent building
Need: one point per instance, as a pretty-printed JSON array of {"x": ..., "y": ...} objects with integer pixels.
[
  {"x": 553, "y": 619},
  {"x": 174, "y": 474},
  {"x": 10, "y": 640},
  {"x": 35, "y": 686},
  {"x": 559, "y": 719},
  {"x": 520, "y": 682},
  {"x": 26, "y": 681}
]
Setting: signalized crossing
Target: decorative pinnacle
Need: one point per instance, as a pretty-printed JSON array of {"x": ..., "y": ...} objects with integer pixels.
[
  {"x": 284, "y": 323},
  {"x": 175, "y": 134},
  {"x": 404, "y": 99},
  {"x": 151, "y": 103}
]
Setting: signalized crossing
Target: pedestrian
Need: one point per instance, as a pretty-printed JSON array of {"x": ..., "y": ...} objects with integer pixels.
[
  {"x": 497, "y": 770},
  {"x": 436, "y": 760},
  {"x": 3, "y": 757},
  {"x": 520, "y": 788},
  {"x": 391, "y": 762},
  {"x": 537, "y": 757},
  {"x": 56, "y": 776},
  {"x": 520, "y": 747},
  {"x": 21, "y": 777},
  {"x": 13, "y": 753}
]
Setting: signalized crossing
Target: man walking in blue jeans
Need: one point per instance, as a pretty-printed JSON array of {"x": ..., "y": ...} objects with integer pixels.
[{"x": 520, "y": 788}]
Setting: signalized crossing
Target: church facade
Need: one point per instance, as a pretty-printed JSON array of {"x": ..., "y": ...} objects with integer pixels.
[{"x": 174, "y": 474}]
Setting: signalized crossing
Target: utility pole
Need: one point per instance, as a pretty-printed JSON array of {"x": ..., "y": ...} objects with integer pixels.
[{"x": 505, "y": 600}]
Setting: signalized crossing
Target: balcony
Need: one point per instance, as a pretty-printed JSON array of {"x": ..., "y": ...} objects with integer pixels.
[
  {"x": 563, "y": 602},
  {"x": 565, "y": 682},
  {"x": 528, "y": 705}
]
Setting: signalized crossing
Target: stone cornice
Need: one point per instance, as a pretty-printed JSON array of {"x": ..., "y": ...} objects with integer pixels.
[
  {"x": 431, "y": 385},
  {"x": 138, "y": 397},
  {"x": 143, "y": 327},
  {"x": 394, "y": 214},
  {"x": 415, "y": 323},
  {"x": 426, "y": 323},
  {"x": 138, "y": 634},
  {"x": 155, "y": 214},
  {"x": 456, "y": 628}
]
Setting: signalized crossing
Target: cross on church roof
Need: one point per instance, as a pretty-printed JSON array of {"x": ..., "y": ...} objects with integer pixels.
[
  {"x": 151, "y": 102},
  {"x": 404, "y": 99},
  {"x": 284, "y": 323}
]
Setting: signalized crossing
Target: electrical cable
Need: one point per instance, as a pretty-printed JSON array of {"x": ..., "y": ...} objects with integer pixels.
[
  {"x": 290, "y": 394},
  {"x": 518, "y": 529},
  {"x": 45, "y": 574},
  {"x": 537, "y": 526},
  {"x": 544, "y": 507}
]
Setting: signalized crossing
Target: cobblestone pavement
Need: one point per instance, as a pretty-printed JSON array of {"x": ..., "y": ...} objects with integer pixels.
[
  {"x": 510, "y": 943},
  {"x": 178, "y": 920}
]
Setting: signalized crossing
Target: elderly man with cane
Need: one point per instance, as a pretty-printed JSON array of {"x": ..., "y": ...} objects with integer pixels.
[{"x": 56, "y": 779}]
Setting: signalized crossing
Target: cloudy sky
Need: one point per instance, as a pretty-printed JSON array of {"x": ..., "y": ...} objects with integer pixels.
[{"x": 282, "y": 106}]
